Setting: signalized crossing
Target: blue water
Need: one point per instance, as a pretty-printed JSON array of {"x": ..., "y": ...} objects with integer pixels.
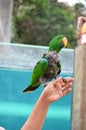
[{"x": 16, "y": 106}]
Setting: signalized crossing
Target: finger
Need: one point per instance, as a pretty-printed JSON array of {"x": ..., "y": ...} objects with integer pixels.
[
  {"x": 56, "y": 81},
  {"x": 63, "y": 84},
  {"x": 69, "y": 85},
  {"x": 59, "y": 86},
  {"x": 70, "y": 79},
  {"x": 62, "y": 81},
  {"x": 67, "y": 91}
]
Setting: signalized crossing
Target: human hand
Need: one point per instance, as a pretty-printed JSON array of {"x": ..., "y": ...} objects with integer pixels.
[
  {"x": 57, "y": 89},
  {"x": 80, "y": 22}
]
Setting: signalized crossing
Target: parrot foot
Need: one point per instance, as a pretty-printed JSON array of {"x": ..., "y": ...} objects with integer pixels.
[
  {"x": 55, "y": 77},
  {"x": 64, "y": 80},
  {"x": 45, "y": 85}
]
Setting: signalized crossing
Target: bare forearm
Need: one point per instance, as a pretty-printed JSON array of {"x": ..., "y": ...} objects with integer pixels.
[
  {"x": 36, "y": 119},
  {"x": 50, "y": 94}
]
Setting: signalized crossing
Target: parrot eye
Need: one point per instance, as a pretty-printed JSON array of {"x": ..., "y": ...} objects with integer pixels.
[{"x": 62, "y": 44}]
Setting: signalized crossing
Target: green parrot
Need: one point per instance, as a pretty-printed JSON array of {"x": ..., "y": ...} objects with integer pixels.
[{"x": 48, "y": 67}]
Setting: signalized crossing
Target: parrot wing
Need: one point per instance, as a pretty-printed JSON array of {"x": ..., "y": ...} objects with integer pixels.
[{"x": 38, "y": 73}]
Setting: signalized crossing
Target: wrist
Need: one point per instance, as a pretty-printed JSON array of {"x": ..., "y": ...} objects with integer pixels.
[{"x": 44, "y": 98}]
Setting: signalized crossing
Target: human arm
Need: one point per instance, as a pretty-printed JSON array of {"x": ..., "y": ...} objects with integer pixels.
[{"x": 51, "y": 93}]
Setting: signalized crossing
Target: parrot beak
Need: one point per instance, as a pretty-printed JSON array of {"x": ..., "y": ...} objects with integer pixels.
[{"x": 64, "y": 41}]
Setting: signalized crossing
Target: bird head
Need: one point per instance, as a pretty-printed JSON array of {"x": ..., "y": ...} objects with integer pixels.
[{"x": 57, "y": 43}]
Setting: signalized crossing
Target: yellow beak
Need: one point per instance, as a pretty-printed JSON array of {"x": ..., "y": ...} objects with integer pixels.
[{"x": 65, "y": 41}]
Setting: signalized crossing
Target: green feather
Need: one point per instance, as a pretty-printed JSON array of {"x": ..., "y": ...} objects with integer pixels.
[
  {"x": 56, "y": 43},
  {"x": 38, "y": 72}
]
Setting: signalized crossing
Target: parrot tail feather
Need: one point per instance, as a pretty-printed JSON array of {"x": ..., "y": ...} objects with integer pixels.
[{"x": 30, "y": 88}]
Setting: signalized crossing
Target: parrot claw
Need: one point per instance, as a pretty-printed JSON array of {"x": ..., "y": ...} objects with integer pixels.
[
  {"x": 45, "y": 85},
  {"x": 64, "y": 80}
]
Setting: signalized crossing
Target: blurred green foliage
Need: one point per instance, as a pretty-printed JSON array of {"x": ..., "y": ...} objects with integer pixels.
[{"x": 36, "y": 22}]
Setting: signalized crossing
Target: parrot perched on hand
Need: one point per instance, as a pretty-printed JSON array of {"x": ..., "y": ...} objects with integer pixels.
[{"x": 48, "y": 67}]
